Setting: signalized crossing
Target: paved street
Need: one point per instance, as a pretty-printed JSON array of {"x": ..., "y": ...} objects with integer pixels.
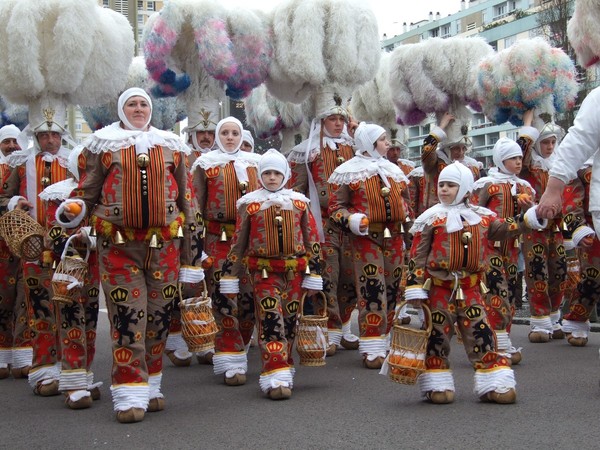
[{"x": 340, "y": 406}]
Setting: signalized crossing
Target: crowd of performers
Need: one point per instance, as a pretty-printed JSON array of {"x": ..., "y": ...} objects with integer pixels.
[{"x": 342, "y": 214}]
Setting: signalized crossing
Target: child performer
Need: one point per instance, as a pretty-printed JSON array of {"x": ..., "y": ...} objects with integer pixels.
[
  {"x": 447, "y": 262},
  {"x": 277, "y": 240},
  {"x": 503, "y": 192},
  {"x": 370, "y": 199}
]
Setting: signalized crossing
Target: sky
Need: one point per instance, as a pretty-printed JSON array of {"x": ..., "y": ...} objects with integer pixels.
[{"x": 391, "y": 14}]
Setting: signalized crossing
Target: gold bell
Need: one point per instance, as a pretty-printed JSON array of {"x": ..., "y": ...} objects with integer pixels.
[
  {"x": 118, "y": 239},
  {"x": 307, "y": 271},
  {"x": 386, "y": 233},
  {"x": 93, "y": 232},
  {"x": 265, "y": 274},
  {"x": 143, "y": 160},
  {"x": 341, "y": 160},
  {"x": 243, "y": 186},
  {"x": 466, "y": 237},
  {"x": 460, "y": 295},
  {"x": 517, "y": 244},
  {"x": 565, "y": 227},
  {"x": 427, "y": 284},
  {"x": 180, "y": 232},
  {"x": 385, "y": 191},
  {"x": 556, "y": 229},
  {"x": 402, "y": 230},
  {"x": 289, "y": 275},
  {"x": 483, "y": 288},
  {"x": 45, "y": 181},
  {"x": 154, "y": 241},
  {"x": 54, "y": 265},
  {"x": 223, "y": 235}
]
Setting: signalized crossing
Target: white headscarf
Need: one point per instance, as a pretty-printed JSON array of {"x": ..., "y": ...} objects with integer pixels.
[
  {"x": 365, "y": 139},
  {"x": 457, "y": 211},
  {"x": 548, "y": 130},
  {"x": 247, "y": 137},
  {"x": 504, "y": 149},
  {"x": 222, "y": 122},
  {"x": 273, "y": 160},
  {"x": 133, "y": 92},
  {"x": 9, "y": 131}
]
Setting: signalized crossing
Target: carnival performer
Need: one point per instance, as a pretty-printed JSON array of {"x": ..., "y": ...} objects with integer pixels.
[
  {"x": 15, "y": 345},
  {"x": 247, "y": 142},
  {"x": 135, "y": 186},
  {"x": 543, "y": 250},
  {"x": 507, "y": 195},
  {"x": 77, "y": 320},
  {"x": 312, "y": 162},
  {"x": 444, "y": 145},
  {"x": 369, "y": 199},
  {"x": 448, "y": 262},
  {"x": 277, "y": 241},
  {"x": 32, "y": 171},
  {"x": 220, "y": 178},
  {"x": 584, "y": 241}
]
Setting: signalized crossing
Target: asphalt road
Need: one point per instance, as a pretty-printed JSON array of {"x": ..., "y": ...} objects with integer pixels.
[{"x": 339, "y": 406}]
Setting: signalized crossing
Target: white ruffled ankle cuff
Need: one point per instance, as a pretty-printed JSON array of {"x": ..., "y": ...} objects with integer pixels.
[
  {"x": 130, "y": 396},
  {"x": 572, "y": 326},
  {"x": 22, "y": 357},
  {"x": 71, "y": 380},
  {"x": 6, "y": 356},
  {"x": 222, "y": 362},
  {"x": 437, "y": 381},
  {"x": 501, "y": 380},
  {"x": 503, "y": 341},
  {"x": 334, "y": 337},
  {"x": 541, "y": 324},
  {"x": 154, "y": 382},
  {"x": 283, "y": 377},
  {"x": 44, "y": 374},
  {"x": 176, "y": 343},
  {"x": 373, "y": 347}
]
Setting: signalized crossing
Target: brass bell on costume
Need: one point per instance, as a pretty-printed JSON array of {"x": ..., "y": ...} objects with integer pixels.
[
  {"x": 387, "y": 233},
  {"x": 179, "y": 232},
  {"x": 289, "y": 275},
  {"x": 402, "y": 230},
  {"x": 223, "y": 235},
  {"x": 556, "y": 229},
  {"x": 460, "y": 295},
  {"x": 143, "y": 160},
  {"x": 497, "y": 244},
  {"x": 118, "y": 239},
  {"x": 45, "y": 181},
  {"x": 341, "y": 160},
  {"x": 154, "y": 241},
  {"x": 517, "y": 243},
  {"x": 427, "y": 284},
  {"x": 466, "y": 237},
  {"x": 385, "y": 191},
  {"x": 265, "y": 274},
  {"x": 307, "y": 271},
  {"x": 565, "y": 227},
  {"x": 243, "y": 186},
  {"x": 54, "y": 265},
  {"x": 93, "y": 232},
  {"x": 483, "y": 288}
]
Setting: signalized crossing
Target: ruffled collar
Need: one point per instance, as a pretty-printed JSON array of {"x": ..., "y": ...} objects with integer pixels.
[
  {"x": 283, "y": 198},
  {"x": 540, "y": 162},
  {"x": 310, "y": 148},
  {"x": 454, "y": 215},
  {"x": 495, "y": 176},
  {"x": 218, "y": 158},
  {"x": 362, "y": 167}
]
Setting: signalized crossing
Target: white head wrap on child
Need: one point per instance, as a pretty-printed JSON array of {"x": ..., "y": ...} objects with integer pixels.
[
  {"x": 247, "y": 137},
  {"x": 365, "y": 137},
  {"x": 273, "y": 160},
  {"x": 222, "y": 122},
  {"x": 504, "y": 149},
  {"x": 460, "y": 174}
]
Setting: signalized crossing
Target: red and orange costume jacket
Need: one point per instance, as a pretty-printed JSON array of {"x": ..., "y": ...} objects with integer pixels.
[{"x": 577, "y": 218}]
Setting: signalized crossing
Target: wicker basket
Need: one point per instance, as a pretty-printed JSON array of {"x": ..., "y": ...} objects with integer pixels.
[
  {"x": 311, "y": 335},
  {"x": 23, "y": 235},
  {"x": 198, "y": 326},
  {"x": 69, "y": 275},
  {"x": 406, "y": 359},
  {"x": 573, "y": 271}
]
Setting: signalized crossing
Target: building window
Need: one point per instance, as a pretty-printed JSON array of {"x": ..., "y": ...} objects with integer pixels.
[
  {"x": 106, "y": 3},
  {"x": 471, "y": 26},
  {"x": 499, "y": 11},
  {"x": 446, "y": 30},
  {"x": 140, "y": 5},
  {"x": 509, "y": 41},
  {"x": 434, "y": 33},
  {"x": 151, "y": 6}
]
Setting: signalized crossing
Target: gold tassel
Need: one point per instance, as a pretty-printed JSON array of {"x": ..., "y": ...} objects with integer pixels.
[
  {"x": 265, "y": 274},
  {"x": 93, "y": 232},
  {"x": 386, "y": 233},
  {"x": 154, "y": 241},
  {"x": 427, "y": 284},
  {"x": 223, "y": 235},
  {"x": 179, "y": 232},
  {"x": 460, "y": 295},
  {"x": 290, "y": 275},
  {"x": 118, "y": 239},
  {"x": 483, "y": 288}
]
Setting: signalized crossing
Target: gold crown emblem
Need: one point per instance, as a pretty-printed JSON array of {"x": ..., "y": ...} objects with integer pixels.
[
  {"x": 246, "y": 325},
  {"x": 473, "y": 312},
  {"x": 74, "y": 334},
  {"x": 435, "y": 362},
  {"x": 93, "y": 292},
  {"x": 119, "y": 295},
  {"x": 370, "y": 270},
  {"x": 496, "y": 302},
  {"x": 274, "y": 347},
  {"x": 205, "y": 117},
  {"x": 538, "y": 249},
  {"x": 49, "y": 115},
  {"x": 316, "y": 248},
  {"x": 217, "y": 274},
  {"x": 157, "y": 349},
  {"x": 199, "y": 218},
  {"x": 292, "y": 307},
  {"x": 228, "y": 322},
  {"x": 42, "y": 326},
  {"x": 397, "y": 272},
  {"x": 213, "y": 172},
  {"x": 169, "y": 291},
  {"x": 512, "y": 269},
  {"x": 123, "y": 355},
  {"x": 592, "y": 272},
  {"x": 32, "y": 282},
  {"x": 299, "y": 204},
  {"x": 496, "y": 261},
  {"x": 578, "y": 309},
  {"x": 437, "y": 317},
  {"x": 268, "y": 303},
  {"x": 494, "y": 189},
  {"x": 540, "y": 286},
  {"x": 373, "y": 319},
  {"x": 568, "y": 218},
  {"x": 489, "y": 357},
  {"x": 54, "y": 233},
  {"x": 253, "y": 208},
  {"x": 90, "y": 334}
]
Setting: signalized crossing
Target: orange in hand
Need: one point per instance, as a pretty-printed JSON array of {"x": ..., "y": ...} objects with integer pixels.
[
  {"x": 73, "y": 208},
  {"x": 524, "y": 197},
  {"x": 364, "y": 223}
]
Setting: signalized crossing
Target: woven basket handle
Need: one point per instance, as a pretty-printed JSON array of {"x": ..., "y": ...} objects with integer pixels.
[
  {"x": 68, "y": 244},
  {"x": 426, "y": 310},
  {"x": 204, "y": 292},
  {"x": 300, "y": 312}
]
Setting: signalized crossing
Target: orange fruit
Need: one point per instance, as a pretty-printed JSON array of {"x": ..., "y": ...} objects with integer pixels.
[{"x": 73, "y": 208}]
